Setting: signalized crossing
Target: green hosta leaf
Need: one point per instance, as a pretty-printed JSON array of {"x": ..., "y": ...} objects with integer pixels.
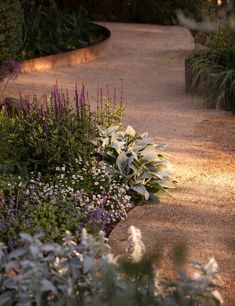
[
  {"x": 155, "y": 187},
  {"x": 146, "y": 175},
  {"x": 111, "y": 130},
  {"x": 141, "y": 144},
  {"x": 141, "y": 190},
  {"x": 150, "y": 156},
  {"x": 117, "y": 145},
  {"x": 163, "y": 174},
  {"x": 123, "y": 163},
  {"x": 153, "y": 198}
]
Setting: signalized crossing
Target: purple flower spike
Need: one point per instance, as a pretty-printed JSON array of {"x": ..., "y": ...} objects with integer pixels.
[
  {"x": 82, "y": 100},
  {"x": 76, "y": 99}
]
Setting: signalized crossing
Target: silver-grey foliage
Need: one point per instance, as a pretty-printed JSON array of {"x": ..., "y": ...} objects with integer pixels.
[{"x": 88, "y": 274}]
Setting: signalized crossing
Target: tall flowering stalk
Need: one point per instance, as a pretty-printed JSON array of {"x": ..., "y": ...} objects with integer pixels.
[{"x": 54, "y": 132}]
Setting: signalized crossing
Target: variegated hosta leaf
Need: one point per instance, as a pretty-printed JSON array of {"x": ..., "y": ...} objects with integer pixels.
[
  {"x": 123, "y": 163},
  {"x": 136, "y": 157},
  {"x": 130, "y": 131},
  {"x": 141, "y": 190}
]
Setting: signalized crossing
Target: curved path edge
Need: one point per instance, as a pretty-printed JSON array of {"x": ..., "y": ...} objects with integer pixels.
[{"x": 75, "y": 57}]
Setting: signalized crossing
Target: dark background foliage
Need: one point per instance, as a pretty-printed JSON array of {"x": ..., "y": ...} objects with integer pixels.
[
  {"x": 11, "y": 21},
  {"x": 148, "y": 11}
]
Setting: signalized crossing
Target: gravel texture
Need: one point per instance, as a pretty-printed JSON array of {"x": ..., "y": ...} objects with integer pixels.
[{"x": 200, "y": 212}]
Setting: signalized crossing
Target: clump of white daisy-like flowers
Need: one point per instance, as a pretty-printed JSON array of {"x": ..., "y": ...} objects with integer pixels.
[{"x": 98, "y": 191}]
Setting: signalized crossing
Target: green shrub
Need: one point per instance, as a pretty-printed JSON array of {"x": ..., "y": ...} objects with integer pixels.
[
  {"x": 11, "y": 23},
  {"x": 89, "y": 274}
]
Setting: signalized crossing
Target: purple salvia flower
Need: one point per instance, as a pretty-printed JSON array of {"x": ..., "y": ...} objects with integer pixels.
[
  {"x": 2, "y": 226},
  {"x": 63, "y": 101},
  {"x": 76, "y": 99},
  {"x": 67, "y": 96},
  {"x": 11, "y": 243},
  {"x": 82, "y": 100},
  {"x": 104, "y": 200},
  {"x": 21, "y": 102},
  {"x": 45, "y": 123},
  {"x": 54, "y": 99}
]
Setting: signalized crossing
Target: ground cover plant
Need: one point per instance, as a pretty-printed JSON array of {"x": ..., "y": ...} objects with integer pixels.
[{"x": 89, "y": 274}]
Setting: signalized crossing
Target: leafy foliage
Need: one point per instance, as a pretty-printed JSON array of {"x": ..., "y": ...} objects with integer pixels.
[
  {"x": 214, "y": 70},
  {"x": 89, "y": 274},
  {"x": 137, "y": 159},
  {"x": 50, "y": 30},
  {"x": 36, "y": 138},
  {"x": 11, "y": 22},
  {"x": 148, "y": 11}
]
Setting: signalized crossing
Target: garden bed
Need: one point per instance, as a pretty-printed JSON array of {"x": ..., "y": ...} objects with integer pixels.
[{"x": 75, "y": 57}]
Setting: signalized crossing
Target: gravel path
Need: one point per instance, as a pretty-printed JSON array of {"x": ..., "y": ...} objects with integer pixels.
[{"x": 150, "y": 61}]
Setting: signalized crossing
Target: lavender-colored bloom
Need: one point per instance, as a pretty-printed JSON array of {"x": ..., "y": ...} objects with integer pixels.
[
  {"x": 100, "y": 216},
  {"x": 82, "y": 100},
  {"x": 10, "y": 69},
  {"x": 76, "y": 99},
  {"x": 2, "y": 226},
  {"x": 11, "y": 243}
]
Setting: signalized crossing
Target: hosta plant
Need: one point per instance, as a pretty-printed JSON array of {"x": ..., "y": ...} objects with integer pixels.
[
  {"x": 137, "y": 158},
  {"x": 88, "y": 274}
]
